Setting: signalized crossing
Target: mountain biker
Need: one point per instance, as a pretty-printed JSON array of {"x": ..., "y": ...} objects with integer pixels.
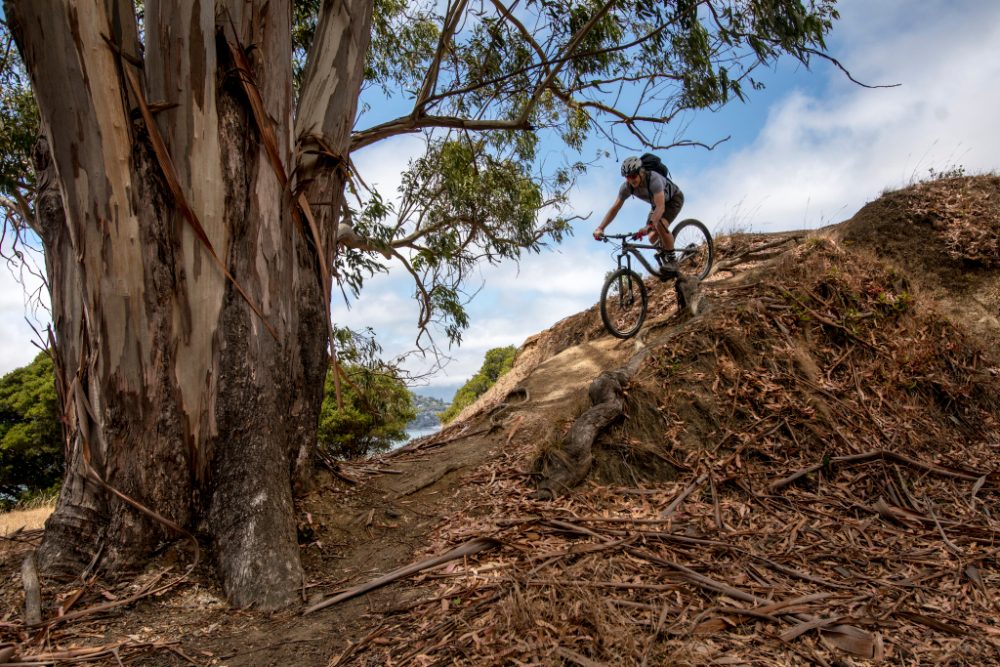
[{"x": 665, "y": 198}]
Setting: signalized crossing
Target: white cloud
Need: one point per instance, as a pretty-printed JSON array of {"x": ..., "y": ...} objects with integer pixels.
[
  {"x": 821, "y": 156},
  {"x": 20, "y": 290},
  {"x": 382, "y": 165}
]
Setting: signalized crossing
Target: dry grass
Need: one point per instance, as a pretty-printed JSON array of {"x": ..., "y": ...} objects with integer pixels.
[{"x": 29, "y": 519}]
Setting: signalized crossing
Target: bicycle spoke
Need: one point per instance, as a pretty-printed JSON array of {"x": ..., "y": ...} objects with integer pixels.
[
  {"x": 693, "y": 248},
  {"x": 623, "y": 304}
]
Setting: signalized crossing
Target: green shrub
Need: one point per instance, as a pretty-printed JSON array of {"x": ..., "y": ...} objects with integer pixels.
[
  {"x": 376, "y": 410},
  {"x": 31, "y": 442},
  {"x": 498, "y": 361}
]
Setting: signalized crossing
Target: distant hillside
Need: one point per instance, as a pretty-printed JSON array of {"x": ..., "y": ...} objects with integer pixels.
[{"x": 427, "y": 408}]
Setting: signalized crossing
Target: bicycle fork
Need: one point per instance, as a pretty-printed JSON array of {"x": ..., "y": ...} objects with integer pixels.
[
  {"x": 627, "y": 264},
  {"x": 626, "y": 297}
]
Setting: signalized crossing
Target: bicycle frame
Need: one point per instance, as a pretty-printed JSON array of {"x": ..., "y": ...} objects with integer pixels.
[{"x": 627, "y": 250}]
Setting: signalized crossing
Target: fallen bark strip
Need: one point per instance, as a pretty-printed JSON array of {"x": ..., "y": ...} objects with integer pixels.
[
  {"x": 32, "y": 591},
  {"x": 756, "y": 254},
  {"x": 357, "y": 646},
  {"x": 420, "y": 485},
  {"x": 933, "y": 623},
  {"x": 792, "y": 572},
  {"x": 581, "y": 583},
  {"x": 676, "y": 502},
  {"x": 81, "y": 654},
  {"x": 107, "y": 606},
  {"x": 804, "y": 627},
  {"x": 576, "y": 658},
  {"x": 621, "y": 519},
  {"x": 885, "y": 455},
  {"x": 784, "y": 605},
  {"x": 577, "y": 550},
  {"x": 469, "y": 548}
]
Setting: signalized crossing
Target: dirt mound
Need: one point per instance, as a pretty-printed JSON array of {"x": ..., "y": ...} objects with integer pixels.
[
  {"x": 569, "y": 332},
  {"x": 945, "y": 235},
  {"x": 827, "y": 432},
  {"x": 805, "y": 472}
]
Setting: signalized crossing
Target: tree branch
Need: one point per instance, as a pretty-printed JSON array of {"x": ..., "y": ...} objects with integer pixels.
[
  {"x": 409, "y": 125},
  {"x": 836, "y": 63},
  {"x": 425, "y": 298},
  {"x": 568, "y": 54},
  {"x": 447, "y": 33}
]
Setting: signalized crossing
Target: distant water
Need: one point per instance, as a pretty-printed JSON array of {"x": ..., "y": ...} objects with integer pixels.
[{"x": 414, "y": 433}]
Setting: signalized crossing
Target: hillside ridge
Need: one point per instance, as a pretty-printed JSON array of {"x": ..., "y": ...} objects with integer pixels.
[{"x": 804, "y": 472}]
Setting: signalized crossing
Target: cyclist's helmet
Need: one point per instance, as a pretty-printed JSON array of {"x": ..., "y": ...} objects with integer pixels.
[{"x": 631, "y": 166}]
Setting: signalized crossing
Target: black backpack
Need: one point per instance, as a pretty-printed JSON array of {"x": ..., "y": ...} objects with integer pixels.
[{"x": 651, "y": 162}]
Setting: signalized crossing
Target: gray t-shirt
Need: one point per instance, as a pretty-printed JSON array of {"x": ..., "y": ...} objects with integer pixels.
[{"x": 650, "y": 184}]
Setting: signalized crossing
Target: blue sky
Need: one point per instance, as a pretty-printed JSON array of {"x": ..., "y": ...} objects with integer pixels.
[{"x": 808, "y": 151}]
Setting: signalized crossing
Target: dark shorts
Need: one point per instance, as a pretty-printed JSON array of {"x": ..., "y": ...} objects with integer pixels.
[{"x": 673, "y": 207}]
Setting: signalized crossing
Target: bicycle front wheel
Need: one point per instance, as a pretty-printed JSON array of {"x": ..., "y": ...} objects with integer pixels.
[
  {"x": 623, "y": 303},
  {"x": 694, "y": 249}
]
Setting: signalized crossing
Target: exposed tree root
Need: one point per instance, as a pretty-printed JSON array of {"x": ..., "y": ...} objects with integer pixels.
[
  {"x": 567, "y": 466},
  {"x": 562, "y": 468}
]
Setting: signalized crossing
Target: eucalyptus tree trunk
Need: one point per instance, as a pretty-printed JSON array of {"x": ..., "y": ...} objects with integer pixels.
[{"x": 188, "y": 291}]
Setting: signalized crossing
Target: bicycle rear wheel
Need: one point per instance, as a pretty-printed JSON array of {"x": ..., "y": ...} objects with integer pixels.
[
  {"x": 694, "y": 248},
  {"x": 623, "y": 303}
]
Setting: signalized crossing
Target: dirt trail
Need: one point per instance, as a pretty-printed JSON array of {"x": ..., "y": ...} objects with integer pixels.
[
  {"x": 351, "y": 533},
  {"x": 391, "y": 517}
]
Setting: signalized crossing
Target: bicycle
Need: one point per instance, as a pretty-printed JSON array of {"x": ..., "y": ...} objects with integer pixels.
[{"x": 623, "y": 297}]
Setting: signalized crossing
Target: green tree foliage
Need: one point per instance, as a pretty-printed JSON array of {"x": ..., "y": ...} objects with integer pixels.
[
  {"x": 377, "y": 405},
  {"x": 498, "y": 361},
  {"x": 460, "y": 206},
  {"x": 18, "y": 131},
  {"x": 31, "y": 447},
  {"x": 491, "y": 82}
]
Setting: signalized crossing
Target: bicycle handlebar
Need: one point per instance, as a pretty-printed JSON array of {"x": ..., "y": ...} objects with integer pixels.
[{"x": 634, "y": 236}]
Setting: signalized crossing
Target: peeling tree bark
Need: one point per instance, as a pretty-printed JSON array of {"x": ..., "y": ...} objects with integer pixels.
[{"x": 176, "y": 394}]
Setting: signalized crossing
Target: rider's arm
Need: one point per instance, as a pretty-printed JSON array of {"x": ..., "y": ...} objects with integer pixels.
[{"x": 608, "y": 217}]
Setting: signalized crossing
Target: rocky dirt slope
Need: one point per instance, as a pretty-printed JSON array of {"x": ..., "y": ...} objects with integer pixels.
[{"x": 806, "y": 472}]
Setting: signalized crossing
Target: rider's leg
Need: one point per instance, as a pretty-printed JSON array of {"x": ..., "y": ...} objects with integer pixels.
[
  {"x": 662, "y": 226},
  {"x": 663, "y": 235},
  {"x": 666, "y": 257},
  {"x": 670, "y": 212}
]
